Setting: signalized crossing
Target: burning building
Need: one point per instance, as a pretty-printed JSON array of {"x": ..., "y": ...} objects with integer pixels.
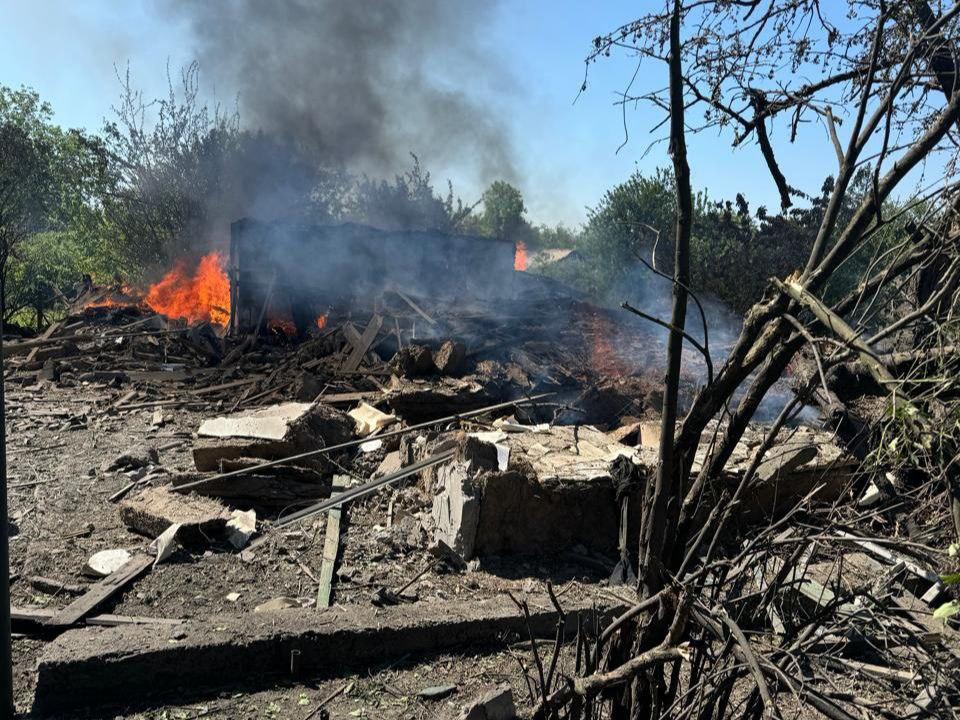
[{"x": 295, "y": 272}]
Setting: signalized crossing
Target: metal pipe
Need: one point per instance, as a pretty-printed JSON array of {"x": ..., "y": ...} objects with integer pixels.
[{"x": 366, "y": 489}]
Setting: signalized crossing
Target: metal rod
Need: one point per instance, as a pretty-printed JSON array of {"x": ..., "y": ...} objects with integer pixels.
[
  {"x": 353, "y": 443},
  {"x": 366, "y": 489},
  {"x": 6, "y": 640}
]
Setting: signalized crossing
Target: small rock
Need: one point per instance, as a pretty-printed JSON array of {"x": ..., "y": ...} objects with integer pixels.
[
  {"x": 232, "y": 597},
  {"x": 132, "y": 458},
  {"x": 496, "y": 703},
  {"x": 50, "y": 370},
  {"x": 278, "y": 603},
  {"x": 437, "y": 692},
  {"x": 106, "y": 562}
]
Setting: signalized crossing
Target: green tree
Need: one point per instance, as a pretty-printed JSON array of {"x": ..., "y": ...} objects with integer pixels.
[
  {"x": 503, "y": 213},
  {"x": 51, "y": 182},
  {"x": 410, "y": 202}
]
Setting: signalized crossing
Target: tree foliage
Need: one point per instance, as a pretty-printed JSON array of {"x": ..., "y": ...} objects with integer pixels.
[{"x": 51, "y": 182}]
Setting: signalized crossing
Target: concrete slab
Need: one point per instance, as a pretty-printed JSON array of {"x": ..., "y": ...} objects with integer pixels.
[
  {"x": 269, "y": 423},
  {"x": 155, "y": 509},
  {"x": 134, "y": 665}
]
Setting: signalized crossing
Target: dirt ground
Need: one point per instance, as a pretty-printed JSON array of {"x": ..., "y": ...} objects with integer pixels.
[{"x": 58, "y": 438}]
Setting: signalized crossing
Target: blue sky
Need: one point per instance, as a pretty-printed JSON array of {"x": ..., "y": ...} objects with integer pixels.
[{"x": 565, "y": 152}]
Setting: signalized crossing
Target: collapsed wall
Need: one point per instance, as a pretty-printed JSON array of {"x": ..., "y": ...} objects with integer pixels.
[
  {"x": 301, "y": 270},
  {"x": 540, "y": 489}
]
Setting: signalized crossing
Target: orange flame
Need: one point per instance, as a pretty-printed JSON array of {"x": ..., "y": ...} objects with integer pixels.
[
  {"x": 520, "y": 257},
  {"x": 119, "y": 296},
  {"x": 321, "y": 321},
  {"x": 201, "y": 296}
]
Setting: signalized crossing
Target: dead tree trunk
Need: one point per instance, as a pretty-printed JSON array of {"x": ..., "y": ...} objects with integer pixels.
[{"x": 661, "y": 504}]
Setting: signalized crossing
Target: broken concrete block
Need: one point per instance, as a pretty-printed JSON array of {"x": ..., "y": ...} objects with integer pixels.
[
  {"x": 413, "y": 361},
  {"x": 650, "y": 434},
  {"x": 417, "y": 400},
  {"x": 269, "y": 423},
  {"x": 369, "y": 419},
  {"x": 456, "y": 508},
  {"x": 65, "y": 348},
  {"x": 165, "y": 543},
  {"x": 138, "y": 456},
  {"x": 274, "y": 487},
  {"x": 554, "y": 491},
  {"x": 391, "y": 463},
  {"x": 628, "y": 434},
  {"x": 270, "y": 433},
  {"x": 240, "y": 528},
  {"x": 451, "y": 358},
  {"x": 495, "y": 703},
  {"x": 106, "y": 562},
  {"x": 440, "y": 550},
  {"x": 784, "y": 459},
  {"x": 155, "y": 509}
]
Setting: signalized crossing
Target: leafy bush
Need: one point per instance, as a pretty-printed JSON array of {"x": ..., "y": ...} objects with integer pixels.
[{"x": 733, "y": 252}]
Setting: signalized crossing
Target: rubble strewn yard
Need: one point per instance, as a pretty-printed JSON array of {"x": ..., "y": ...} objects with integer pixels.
[
  {"x": 133, "y": 436},
  {"x": 134, "y": 406},
  {"x": 293, "y": 428}
]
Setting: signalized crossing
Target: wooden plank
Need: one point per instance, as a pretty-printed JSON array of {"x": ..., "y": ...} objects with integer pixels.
[
  {"x": 351, "y": 334},
  {"x": 331, "y": 546},
  {"x": 227, "y": 385},
  {"x": 102, "y": 591},
  {"x": 348, "y": 397},
  {"x": 366, "y": 340},
  {"x": 39, "y": 616},
  {"x": 47, "y": 334},
  {"x": 416, "y": 308}
]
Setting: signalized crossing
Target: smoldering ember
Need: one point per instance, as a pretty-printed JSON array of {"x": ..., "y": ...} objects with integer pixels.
[{"x": 290, "y": 433}]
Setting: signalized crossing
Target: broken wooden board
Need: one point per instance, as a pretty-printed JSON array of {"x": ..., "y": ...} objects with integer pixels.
[
  {"x": 331, "y": 545},
  {"x": 366, "y": 340},
  {"x": 345, "y": 398},
  {"x": 26, "y": 619},
  {"x": 413, "y": 306},
  {"x": 52, "y": 329},
  {"x": 101, "y": 592}
]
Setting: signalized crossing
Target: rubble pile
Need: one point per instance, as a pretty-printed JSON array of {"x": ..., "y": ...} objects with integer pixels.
[{"x": 408, "y": 458}]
